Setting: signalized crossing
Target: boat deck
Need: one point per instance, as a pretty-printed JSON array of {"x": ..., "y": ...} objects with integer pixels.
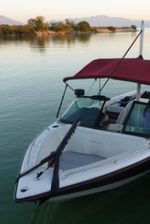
[{"x": 71, "y": 160}]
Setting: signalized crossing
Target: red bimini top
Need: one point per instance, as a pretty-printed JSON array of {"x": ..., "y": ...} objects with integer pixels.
[{"x": 130, "y": 69}]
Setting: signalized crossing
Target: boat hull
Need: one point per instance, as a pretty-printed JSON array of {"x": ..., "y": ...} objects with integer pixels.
[
  {"x": 116, "y": 158},
  {"x": 100, "y": 184}
]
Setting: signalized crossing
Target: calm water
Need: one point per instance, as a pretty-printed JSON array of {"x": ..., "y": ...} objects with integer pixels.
[{"x": 31, "y": 74}]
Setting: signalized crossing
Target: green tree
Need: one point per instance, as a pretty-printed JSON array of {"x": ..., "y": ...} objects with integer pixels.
[
  {"x": 58, "y": 26},
  {"x": 39, "y": 22},
  {"x": 16, "y": 30},
  {"x": 46, "y": 26},
  {"x": 31, "y": 22},
  {"x": 133, "y": 27},
  {"x": 111, "y": 28},
  {"x": 83, "y": 26},
  {"x": 70, "y": 24}
]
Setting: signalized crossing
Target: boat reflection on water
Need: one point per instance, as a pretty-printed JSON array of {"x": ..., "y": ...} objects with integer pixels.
[{"x": 127, "y": 204}]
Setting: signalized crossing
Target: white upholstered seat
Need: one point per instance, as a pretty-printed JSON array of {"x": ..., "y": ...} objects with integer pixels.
[{"x": 116, "y": 114}]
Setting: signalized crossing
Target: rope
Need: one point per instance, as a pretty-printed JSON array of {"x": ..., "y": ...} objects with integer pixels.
[
  {"x": 120, "y": 62},
  {"x": 99, "y": 84},
  {"x": 91, "y": 87},
  {"x": 70, "y": 87}
]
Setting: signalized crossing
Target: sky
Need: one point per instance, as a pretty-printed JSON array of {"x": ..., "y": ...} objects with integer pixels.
[{"x": 22, "y": 10}]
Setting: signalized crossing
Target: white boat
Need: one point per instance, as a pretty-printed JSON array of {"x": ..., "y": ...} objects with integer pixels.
[{"x": 97, "y": 145}]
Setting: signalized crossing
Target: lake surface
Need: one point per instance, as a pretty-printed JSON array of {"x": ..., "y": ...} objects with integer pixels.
[{"x": 31, "y": 74}]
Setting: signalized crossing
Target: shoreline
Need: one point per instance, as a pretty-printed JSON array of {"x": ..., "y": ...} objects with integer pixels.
[
  {"x": 117, "y": 30},
  {"x": 72, "y": 32},
  {"x": 68, "y": 32}
]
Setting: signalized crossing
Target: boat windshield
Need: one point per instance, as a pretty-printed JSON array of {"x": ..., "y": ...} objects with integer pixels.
[
  {"x": 88, "y": 108},
  {"x": 138, "y": 121}
]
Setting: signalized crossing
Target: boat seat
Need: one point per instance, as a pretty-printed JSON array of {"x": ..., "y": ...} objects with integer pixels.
[
  {"x": 140, "y": 120},
  {"x": 128, "y": 107},
  {"x": 116, "y": 114},
  {"x": 70, "y": 160}
]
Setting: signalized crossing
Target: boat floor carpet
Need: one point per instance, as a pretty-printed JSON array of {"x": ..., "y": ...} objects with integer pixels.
[{"x": 70, "y": 160}]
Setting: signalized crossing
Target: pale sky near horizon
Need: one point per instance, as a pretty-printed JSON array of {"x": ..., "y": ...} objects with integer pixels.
[{"x": 22, "y": 10}]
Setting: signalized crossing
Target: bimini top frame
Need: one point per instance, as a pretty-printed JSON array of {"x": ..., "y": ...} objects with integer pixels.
[{"x": 135, "y": 70}]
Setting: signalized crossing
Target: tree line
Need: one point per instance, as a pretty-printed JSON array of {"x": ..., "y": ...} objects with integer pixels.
[
  {"x": 37, "y": 24},
  {"x": 16, "y": 30}
]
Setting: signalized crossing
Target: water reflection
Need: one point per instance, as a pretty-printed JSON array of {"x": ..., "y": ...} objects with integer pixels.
[
  {"x": 40, "y": 43},
  {"x": 123, "y": 205},
  {"x": 63, "y": 39},
  {"x": 69, "y": 39},
  {"x": 83, "y": 37}
]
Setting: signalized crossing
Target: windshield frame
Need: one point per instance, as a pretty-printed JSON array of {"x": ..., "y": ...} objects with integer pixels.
[
  {"x": 93, "y": 109},
  {"x": 144, "y": 134}
]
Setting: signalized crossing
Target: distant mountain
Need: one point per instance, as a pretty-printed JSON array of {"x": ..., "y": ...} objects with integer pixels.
[
  {"x": 103, "y": 20},
  {"x": 7, "y": 21}
]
